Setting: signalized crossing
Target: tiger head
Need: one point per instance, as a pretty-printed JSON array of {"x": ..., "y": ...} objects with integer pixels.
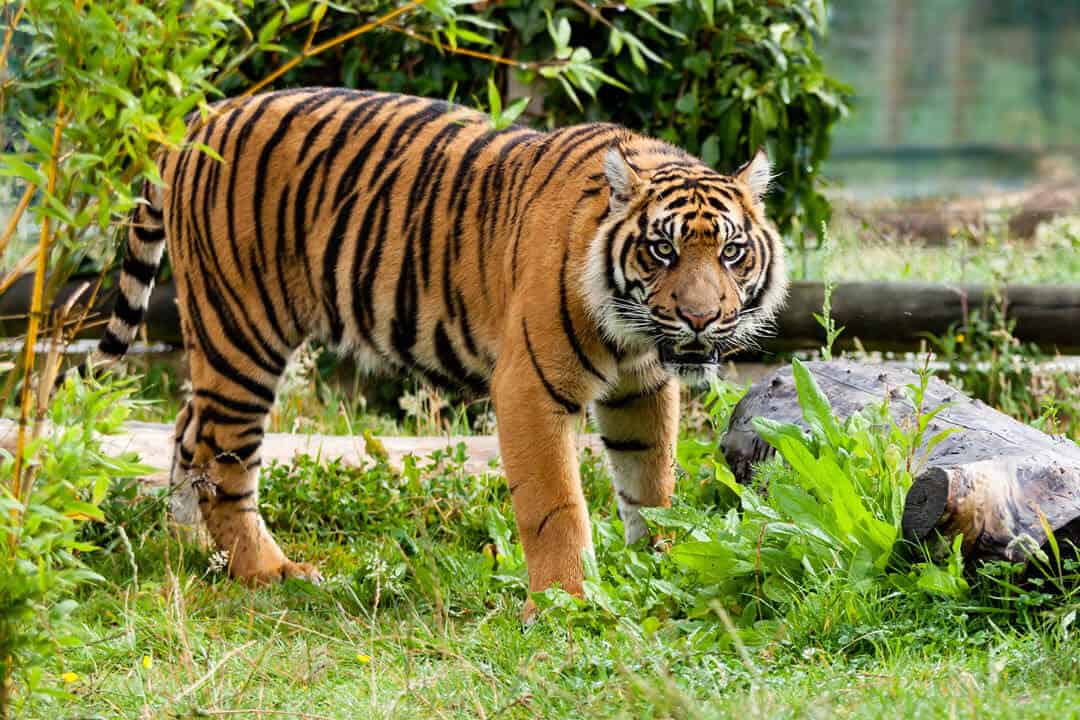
[{"x": 684, "y": 259}]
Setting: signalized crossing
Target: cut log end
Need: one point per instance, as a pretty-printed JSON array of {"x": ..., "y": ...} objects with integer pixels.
[{"x": 927, "y": 502}]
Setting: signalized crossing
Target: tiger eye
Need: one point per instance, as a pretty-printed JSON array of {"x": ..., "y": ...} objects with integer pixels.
[
  {"x": 731, "y": 252},
  {"x": 665, "y": 249}
]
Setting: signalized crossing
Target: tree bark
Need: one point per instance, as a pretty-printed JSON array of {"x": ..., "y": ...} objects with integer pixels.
[{"x": 998, "y": 482}]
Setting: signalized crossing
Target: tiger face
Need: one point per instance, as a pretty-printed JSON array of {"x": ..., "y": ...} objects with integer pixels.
[{"x": 685, "y": 261}]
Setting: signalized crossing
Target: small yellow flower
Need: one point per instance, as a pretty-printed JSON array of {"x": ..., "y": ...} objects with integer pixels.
[
  {"x": 147, "y": 661},
  {"x": 960, "y": 337},
  {"x": 362, "y": 658},
  {"x": 69, "y": 677}
]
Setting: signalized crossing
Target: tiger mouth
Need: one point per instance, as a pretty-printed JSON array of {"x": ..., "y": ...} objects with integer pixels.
[{"x": 691, "y": 354}]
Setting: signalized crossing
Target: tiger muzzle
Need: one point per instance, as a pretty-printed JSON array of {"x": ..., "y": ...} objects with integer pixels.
[{"x": 693, "y": 354}]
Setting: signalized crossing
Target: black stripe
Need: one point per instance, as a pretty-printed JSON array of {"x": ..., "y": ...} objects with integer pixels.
[
  {"x": 549, "y": 515},
  {"x": 571, "y": 141},
  {"x": 221, "y": 496},
  {"x": 568, "y": 322},
  {"x": 458, "y": 199},
  {"x": 406, "y": 309},
  {"x": 220, "y": 363},
  {"x": 144, "y": 272},
  {"x": 363, "y": 301},
  {"x": 130, "y": 315},
  {"x": 631, "y": 398},
  {"x": 238, "y": 330},
  {"x": 221, "y": 144},
  {"x": 219, "y": 418},
  {"x": 496, "y": 208},
  {"x": 238, "y": 406},
  {"x": 148, "y": 235},
  {"x": 230, "y": 200},
  {"x": 112, "y": 345},
  {"x": 466, "y": 331},
  {"x": 281, "y": 254},
  {"x": 266, "y": 299},
  {"x": 624, "y": 445},
  {"x": 347, "y": 182},
  {"x": 257, "y": 199},
  {"x": 330, "y": 259},
  {"x": 451, "y": 363},
  {"x": 569, "y": 405},
  {"x": 407, "y": 129},
  {"x": 230, "y": 456},
  {"x": 300, "y": 219},
  {"x": 428, "y": 183}
]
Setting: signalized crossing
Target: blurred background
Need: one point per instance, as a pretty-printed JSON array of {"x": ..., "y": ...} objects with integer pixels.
[{"x": 961, "y": 109}]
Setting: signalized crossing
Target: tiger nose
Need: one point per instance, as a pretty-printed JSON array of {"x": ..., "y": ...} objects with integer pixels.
[{"x": 697, "y": 319}]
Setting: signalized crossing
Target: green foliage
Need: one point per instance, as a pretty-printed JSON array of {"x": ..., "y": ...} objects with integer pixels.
[
  {"x": 42, "y": 563},
  {"x": 722, "y": 79},
  {"x": 433, "y": 497},
  {"x": 821, "y": 536},
  {"x": 718, "y": 78},
  {"x": 118, "y": 78}
]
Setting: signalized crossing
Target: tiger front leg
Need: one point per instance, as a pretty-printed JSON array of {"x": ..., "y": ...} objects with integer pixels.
[
  {"x": 539, "y": 455},
  {"x": 220, "y": 463},
  {"x": 639, "y": 428}
]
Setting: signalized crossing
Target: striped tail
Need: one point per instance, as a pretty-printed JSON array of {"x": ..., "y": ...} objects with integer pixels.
[{"x": 142, "y": 257}]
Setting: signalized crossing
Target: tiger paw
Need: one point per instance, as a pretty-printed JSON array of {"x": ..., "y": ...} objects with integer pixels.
[
  {"x": 287, "y": 569},
  {"x": 662, "y": 541},
  {"x": 303, "y": 571},
  {"x": 529, "y": 614}
]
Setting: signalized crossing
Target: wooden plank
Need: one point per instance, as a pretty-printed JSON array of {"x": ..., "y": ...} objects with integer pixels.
[{"x": 153, "y": 443}]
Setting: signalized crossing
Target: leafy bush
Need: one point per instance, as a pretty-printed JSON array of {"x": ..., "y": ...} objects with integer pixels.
[
  {"x": 42, "y": 532},
  {"x": 719, "y": 78}
]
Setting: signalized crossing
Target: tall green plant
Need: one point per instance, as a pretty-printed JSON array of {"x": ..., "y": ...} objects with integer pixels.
[{"x": 41, "y": 533}]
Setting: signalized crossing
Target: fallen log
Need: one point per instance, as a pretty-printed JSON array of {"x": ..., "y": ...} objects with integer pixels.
[
  {"x": 995, "y": 481},
  {"x": 890, "y": 316}
]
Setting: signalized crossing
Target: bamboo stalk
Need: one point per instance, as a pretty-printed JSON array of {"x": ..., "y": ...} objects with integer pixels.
[
  {"x": 16, "y": 272},
  {"x": 9, "y": 33},
  {"x": 332, "y": 42},
  {"x": 36, "y": 311},
  {"x": 497, "y": 59}
]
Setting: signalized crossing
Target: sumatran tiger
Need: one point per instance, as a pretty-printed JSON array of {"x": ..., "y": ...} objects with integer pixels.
[{"x": 554, "y": 270}]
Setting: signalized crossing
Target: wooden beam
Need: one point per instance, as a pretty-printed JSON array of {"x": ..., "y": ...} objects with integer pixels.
[{"x": 881, "y": 315}]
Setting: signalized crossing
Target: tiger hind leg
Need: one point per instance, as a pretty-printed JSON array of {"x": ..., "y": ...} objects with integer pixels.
[{"x": 218, "y": 437}]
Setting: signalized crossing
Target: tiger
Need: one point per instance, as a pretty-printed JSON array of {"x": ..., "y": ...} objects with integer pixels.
[{"x": 548, "y": 270}]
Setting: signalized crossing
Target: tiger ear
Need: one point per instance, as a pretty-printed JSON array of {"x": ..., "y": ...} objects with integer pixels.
[
  {"x": 624, "y": 182},
  {"x": 756, "y": 174}
]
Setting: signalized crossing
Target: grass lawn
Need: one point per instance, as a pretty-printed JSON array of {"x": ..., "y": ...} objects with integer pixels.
[{"x": 418, "y": 617}]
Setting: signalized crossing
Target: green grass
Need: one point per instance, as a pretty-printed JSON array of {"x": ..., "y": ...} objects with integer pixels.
[
  {"x": 861, "y": 253},
  {"x": 419, "y": 615}
]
